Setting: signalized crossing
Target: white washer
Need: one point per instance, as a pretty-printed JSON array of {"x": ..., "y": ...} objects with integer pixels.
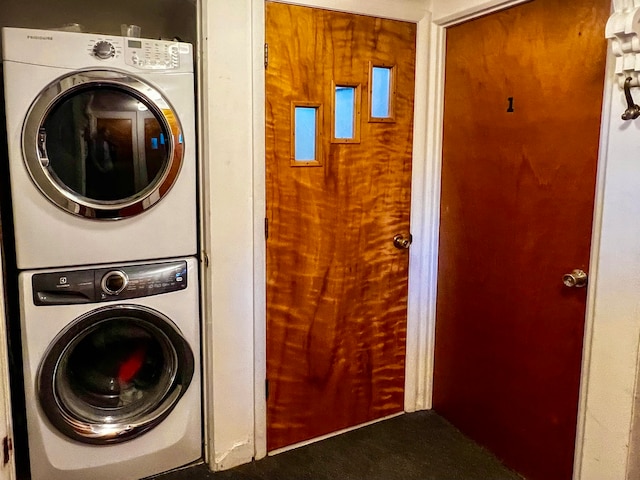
[
  {"x": 111, "y": 367},
  {"x": 102, "y": 154}
]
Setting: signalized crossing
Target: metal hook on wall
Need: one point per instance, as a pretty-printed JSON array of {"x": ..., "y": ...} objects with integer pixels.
[{"x": 633, "y": 111}]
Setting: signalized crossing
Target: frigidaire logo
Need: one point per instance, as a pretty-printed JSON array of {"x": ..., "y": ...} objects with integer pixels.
[{"x": 38, "y": 37}]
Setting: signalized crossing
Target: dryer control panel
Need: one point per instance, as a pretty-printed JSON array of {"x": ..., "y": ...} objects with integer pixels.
[
  {"x": 81, "y": 51},
  {"x": 151, "y": 54},
  {"x": 108, "y": 284},
  {"x": 140, "y": 53}
]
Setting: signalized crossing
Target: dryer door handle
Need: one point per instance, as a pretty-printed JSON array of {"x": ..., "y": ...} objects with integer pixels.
[{"x": 42, "y": 147}]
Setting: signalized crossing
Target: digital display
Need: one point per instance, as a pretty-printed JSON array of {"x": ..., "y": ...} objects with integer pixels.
[{"x": 134, "y": 43}]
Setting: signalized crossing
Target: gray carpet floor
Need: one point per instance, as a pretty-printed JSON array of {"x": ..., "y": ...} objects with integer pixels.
[{"x": 415, "y": 446}]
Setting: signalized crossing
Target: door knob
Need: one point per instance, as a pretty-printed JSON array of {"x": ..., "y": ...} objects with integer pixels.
[
  {"x": 577, "y": 279},
  {"x": 401, "y": 242}
]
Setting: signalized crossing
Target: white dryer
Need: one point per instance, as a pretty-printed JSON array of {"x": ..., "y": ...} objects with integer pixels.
[
  {"x": 102, "y": 154},
  {"x": 111, "y": 368}
]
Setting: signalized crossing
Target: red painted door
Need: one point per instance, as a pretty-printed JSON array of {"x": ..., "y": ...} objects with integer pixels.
[{"x": 523, "y": 98}]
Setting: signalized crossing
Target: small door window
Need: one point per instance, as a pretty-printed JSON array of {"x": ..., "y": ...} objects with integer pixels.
[
  {"x": 305, "y": 133},
  {"x": 381, "y": 93},
  {"x": 346, "y": 113},
  {"x": 306, "y": 140}
]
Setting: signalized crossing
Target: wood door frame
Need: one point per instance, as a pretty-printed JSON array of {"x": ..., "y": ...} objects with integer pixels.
[{"x": 231, "y": 51}]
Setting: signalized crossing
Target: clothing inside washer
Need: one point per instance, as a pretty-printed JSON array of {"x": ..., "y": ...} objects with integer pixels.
[{"x": 118, "y": 369}]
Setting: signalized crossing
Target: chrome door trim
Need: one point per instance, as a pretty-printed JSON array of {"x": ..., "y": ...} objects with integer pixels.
[
  {"x": 110, "y": 428},
  {"x": 37, "y": 163}
]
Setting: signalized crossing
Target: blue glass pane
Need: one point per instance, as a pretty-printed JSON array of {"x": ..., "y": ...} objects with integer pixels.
[
  {"x": 380, "y": 92},
  {"x": 345, "y": 103},
  {"x": 305, "y": 133}
]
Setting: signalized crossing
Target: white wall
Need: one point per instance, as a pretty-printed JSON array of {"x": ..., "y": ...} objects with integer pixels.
[
  {"x": 228, "y": 215},
  {"x": 403, "y": 10},
  {"x": 610, "y": 371},
  {"x": 454, "y": 11}
]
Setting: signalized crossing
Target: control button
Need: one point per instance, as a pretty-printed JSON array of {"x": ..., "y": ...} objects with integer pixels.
[
  {"x": 104, "y": 50},
  {"x": 114, "y": 282}
]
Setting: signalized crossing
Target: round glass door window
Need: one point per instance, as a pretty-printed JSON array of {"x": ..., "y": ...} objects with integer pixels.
[
  {"x": 114, "y": 374},
  {"x": 102, "y": 144}
]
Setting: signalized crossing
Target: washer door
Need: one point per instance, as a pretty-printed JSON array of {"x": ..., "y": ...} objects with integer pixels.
[
  {"x": 114, "y": 374},
  {"x": 102, "y": 144}
]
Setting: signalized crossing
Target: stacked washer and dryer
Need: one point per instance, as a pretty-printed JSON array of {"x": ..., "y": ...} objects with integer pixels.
[{"x": 101, "y": 141}]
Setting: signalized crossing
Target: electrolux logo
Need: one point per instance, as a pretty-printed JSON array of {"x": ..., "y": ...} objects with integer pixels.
[{"x": 38, "y": 37}]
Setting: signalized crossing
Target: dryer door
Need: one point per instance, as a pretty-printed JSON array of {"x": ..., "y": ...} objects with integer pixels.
[
  {"x": 102, "y": 144},
  {"x": 114, "y": 374}
]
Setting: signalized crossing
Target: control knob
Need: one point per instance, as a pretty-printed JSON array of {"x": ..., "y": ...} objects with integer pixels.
[
  {"x": 104, "y": 50},
  {"x": 114, "y": 282}
]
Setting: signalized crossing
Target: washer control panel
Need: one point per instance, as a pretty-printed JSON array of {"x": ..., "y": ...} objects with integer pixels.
[{"x": 108, "y": 284}]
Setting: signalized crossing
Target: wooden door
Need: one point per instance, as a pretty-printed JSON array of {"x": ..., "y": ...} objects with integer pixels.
[
  {"x": 523, "y": 97},
  {"x": 336, "y": 286}
]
